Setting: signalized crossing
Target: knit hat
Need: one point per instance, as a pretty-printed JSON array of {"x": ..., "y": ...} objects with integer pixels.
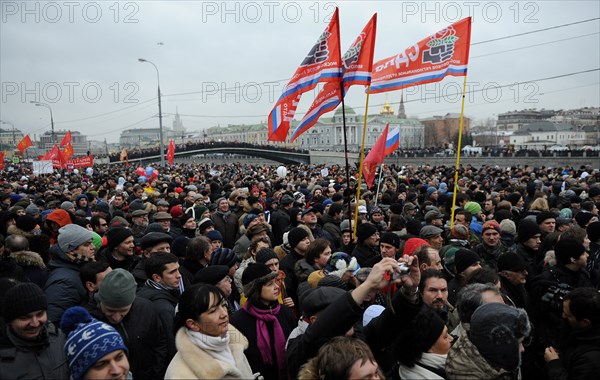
[
  {"x": 539, "y": 219},
  {"x": 255, "y": 276},
  {"x": 512, "y": 262},
  {"x": 117, "y": 235},
  {"x": 96, "y": 240},
  {"x": 179, "y": 246},
  {"x": 430, "y": 231},
  {"x": 72, "y": 236},
  {"x": 117, "y": 290},
  {"x": 204, "y": 224},
  {"x": 88, "y": 340},
  {"x": 490, "y": 225},
  {"x": 296, "y": 235},
  {"x": 365, "y": 231},
  {"x": 214, "y": 235},
  {"x": 176, "y": 211},
  {"x": 526, "y": 230},
  {"x": 314, "y": 300},
  {"x": 153, "y": 238},
  {"x": 223, "y": 256},
  {"x": 26, "y": 223},
  {"x": 495, "y": 330},
  {"x": 412, "y": 244},
  {"x": 434, "y": 328},
  {"x": 32, "y": 210},
  {"x": 341, "y": 262},
  {"x": 472, "y": 207},
  {"x": 264, "y": 255},
  {"x": 593, "y": 231},
  {"x": 568, "y": 250},
  {"x": 23, "y": 299},
  {"x": 211, "y": 274},
  {"x": 509, "y": 227},
  {"x": 390, "y": 238},
  {"x": 249, "y": 218},
  {"x": 66, "y": 205},
  {"x": 464, "y": 258},
  {"x": 582, "y": 218}
]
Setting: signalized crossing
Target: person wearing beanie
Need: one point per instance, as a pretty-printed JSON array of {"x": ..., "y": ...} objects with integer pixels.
[
  {"x": 389, "y": 245},
  {"x": 491, "y": 246},
  {"x": 90, "y": 341},
  {"x": 68, "y": 207},
  {"x": 226, "y": 221},
  {"x": 116, "y": 304},
  {"x": 492, "y": 350},
  {"x": 528, "y": 244},
  {"x": 512, "y": 270},
  {"x": 508, "y": 232},
  {"x": 465, "y": 262},
  {"x": 63, "y": 286},
  {"x": 263, "y": 320},
  {"x": 367, "y": 247},
  {"x": 216, "y": 239},
  {"x": 584, "y": 218},
  {"x": 33, "y": 211},
  {"x": 31, "y": 347},
  {"x": 426, "y": 344},
  {"x": 547, "y": 222},
  {"x": 119, "y": 251},
  {"x": 227, "y": 257},
  {"x": 280, "y": 219},
  {"x": 299, "y": 242},
  {"x": 469, "y": 221},
  {"x": 411, "y": 246}
]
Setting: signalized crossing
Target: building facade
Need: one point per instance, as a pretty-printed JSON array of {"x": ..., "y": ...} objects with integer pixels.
[
  {"x": 78, "y": 141},
  {"x": 9, "y": 138},
  {"x": 441, "y": 131},
  {"x": 544, "y": 134}
]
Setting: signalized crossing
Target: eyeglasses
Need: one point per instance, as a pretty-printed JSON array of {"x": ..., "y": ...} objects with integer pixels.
[{"x": 104, "y": 225}]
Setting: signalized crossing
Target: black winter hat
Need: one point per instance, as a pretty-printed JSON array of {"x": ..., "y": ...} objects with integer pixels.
[
  {"x": 512, "y": 262},
  {"x": 153, "y": 238},
  {"x": 593, "y": 231},
  {"x": 314, "y": 300},
  {"x": 582, "y": 218},
  {"x": 23, "y": 299},
  {"x": 568, "y": 250},
  {"x": 464, "y": 258},
  {"x": 255, "y": 276},
  {"x": 296, "y": 235},
  {"x": 390, "y": 238},
  {"x": 223, "y": 256},
  {"x": 116, "y": 235},
  {"x": 544, "y": 215},
  {"x": 526, "y": 230},
  {"x": 264, "y": 255},
  {"x": 365, "y": 231},
  {"x": 26, "y": 223},
  {"x": 211, "y": 275}
]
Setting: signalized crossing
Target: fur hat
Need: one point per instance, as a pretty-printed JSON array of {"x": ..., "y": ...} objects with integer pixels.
[
  {"x": 495, "y": 330},
  {"x": 88, "y": 340},
  {"x": 339, "y": 263}
]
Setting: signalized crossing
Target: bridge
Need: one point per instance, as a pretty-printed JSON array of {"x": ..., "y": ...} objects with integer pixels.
[{"x": 277, "y": 154}]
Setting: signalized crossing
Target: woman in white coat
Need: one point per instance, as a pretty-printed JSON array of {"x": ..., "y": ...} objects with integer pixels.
[{"x": 208, "y": 347}]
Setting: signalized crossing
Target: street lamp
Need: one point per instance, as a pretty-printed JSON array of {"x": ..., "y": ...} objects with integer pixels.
[
  {"x": 13, "y": 130},
  {"x": 40, "y": 104},
  {"x": 160, "y": 130}
]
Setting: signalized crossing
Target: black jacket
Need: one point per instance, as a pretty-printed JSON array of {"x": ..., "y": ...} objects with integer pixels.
[
  {"x": 288, "y": 264},
  {"x": 280, "y": 221},
  {"x": 164, "y": 303},
  {"x": 143, "y": 335},
  {"x": 580, "y": 357},
  {"x": 246, "y": 323},
  {"x": 128, "y": 264},
  {"x": 365, "y": 256}
]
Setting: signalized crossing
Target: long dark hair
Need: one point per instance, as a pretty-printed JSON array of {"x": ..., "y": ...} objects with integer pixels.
[{"x": 194, "y": 301}]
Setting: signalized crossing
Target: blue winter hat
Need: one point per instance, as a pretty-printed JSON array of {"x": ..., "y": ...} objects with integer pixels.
[{"x": 88, "y": 340}]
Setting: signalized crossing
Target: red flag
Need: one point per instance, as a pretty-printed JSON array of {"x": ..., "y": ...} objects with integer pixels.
[
  {"x": 322, "y": 64},
  {"x": 429, "y": 60},
  {"x": 55, "y": 155},
  {"x": 67, "y": 152},
  {"x": 24, "y": 144},
  {"x": 357, "y": 67},
  {"x": 171, "y": 152},
  {"x": 67, "y": 139},
  {"x": 374, "y": 158},
  {"x": 2, "y": 155}
]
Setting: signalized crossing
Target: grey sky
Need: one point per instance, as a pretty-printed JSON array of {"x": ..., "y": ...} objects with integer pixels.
[{"x": 207, "y": 46}]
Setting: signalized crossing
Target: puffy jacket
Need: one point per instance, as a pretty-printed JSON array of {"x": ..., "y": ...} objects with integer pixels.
[{"x": 164, "y": 303}]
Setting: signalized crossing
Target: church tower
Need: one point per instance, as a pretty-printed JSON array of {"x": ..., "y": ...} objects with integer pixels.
[{"x": 401, "y": 111}]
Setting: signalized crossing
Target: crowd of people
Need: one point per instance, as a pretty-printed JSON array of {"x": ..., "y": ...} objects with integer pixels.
[{"x": 213, "y": 271}]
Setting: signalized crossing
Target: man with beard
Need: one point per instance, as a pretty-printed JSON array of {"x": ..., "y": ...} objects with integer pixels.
[
  {"x": 491, "y": 247},
  {"x": 434, "y": 291}
]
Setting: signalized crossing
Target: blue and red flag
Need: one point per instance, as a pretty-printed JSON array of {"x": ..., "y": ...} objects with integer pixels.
[
  {"x": 429, "y": 60},
  {"x": 357, "y": 66},
  {"x": 375, "y": 157},
  {"x": 322, "y": 64},
  {"x": 393, "y": 140}
]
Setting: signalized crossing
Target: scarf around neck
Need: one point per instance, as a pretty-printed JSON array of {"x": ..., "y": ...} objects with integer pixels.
[
  {"x": 215, "y": 346},
  {"x": 263, "y": 317}
]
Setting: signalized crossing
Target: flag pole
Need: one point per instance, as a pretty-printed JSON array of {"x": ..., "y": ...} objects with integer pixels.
[
  {"x": 360, "y": 166},
  {"x": 378, "y": 183},
  {"x": 345, "y": 141},
  {"x": 460, "y": 132}
]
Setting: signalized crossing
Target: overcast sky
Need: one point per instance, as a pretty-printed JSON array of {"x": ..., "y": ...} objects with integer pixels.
[{"x": 81, "y": 58}]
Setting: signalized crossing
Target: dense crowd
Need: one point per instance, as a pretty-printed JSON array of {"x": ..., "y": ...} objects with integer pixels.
[{"x": 246, "y": 271}]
